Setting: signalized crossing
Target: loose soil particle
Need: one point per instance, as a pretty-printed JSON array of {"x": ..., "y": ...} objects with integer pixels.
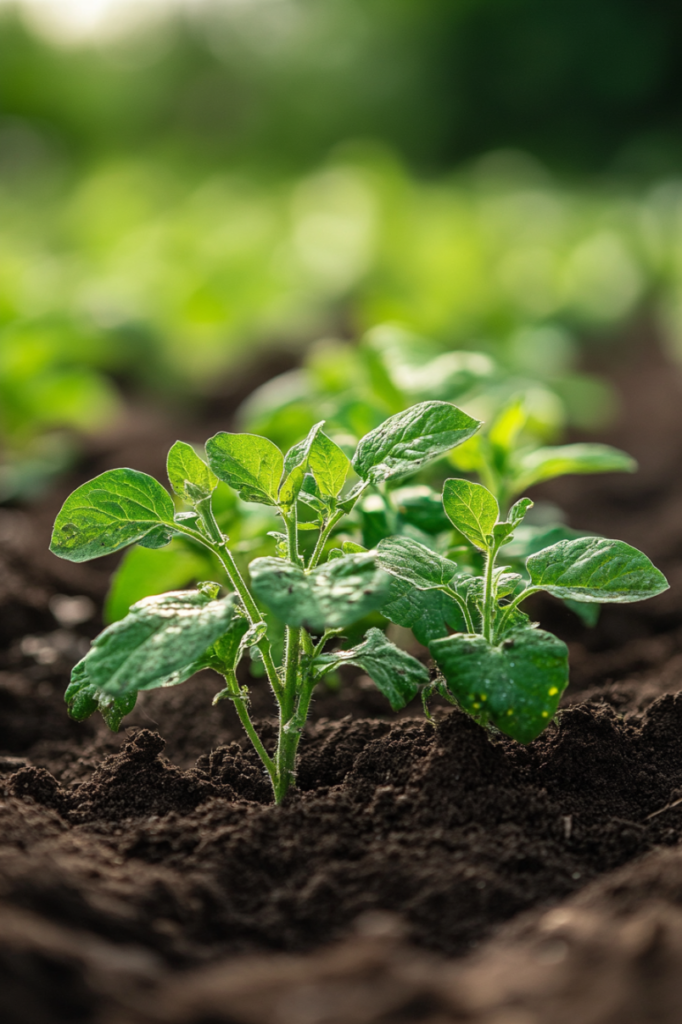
[{"x": 418, "y": 872}]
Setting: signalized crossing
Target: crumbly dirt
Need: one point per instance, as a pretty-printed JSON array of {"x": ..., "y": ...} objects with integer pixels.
[{"x": 420, "y": 872}]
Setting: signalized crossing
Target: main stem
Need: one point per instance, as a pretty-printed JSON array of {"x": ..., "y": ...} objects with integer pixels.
[
  {"x": 289, "y": 735},
  {"x": 294, "y": 693}
]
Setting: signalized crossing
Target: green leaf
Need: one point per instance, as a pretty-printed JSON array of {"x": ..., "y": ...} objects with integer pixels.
[
  {"x": 310, "y": 494},
  {"x": 411, "y": 561},
  {"x": 161, "y": 642},
  {"x": 409, "y": 440},
  {"x": 250, "y": 464},
  {"x": 223, "y": 656},
  {"x": 103, "y": 515},
  {"x": 83, "y": 698},
  {"x": 397, "y": 674},
  {"x": 517, "y": 512},
  {"x": 189, "y": 475},
  {"x": 336, "y": 594},
  {"x": 329, "y": 465},
  {"x": 596, "y": 569},
  {"x": 547, "y": 463},
  {"x": 502, "y": 532},
  {"x": 351, "y": 498},
  {"x": 142, "y": 573},
  {"x": 472, "y": 509},
  {"x": 295, "y": 463},
  {"x": 516, "y": 684},
  {"x": 430, "y": 614}
]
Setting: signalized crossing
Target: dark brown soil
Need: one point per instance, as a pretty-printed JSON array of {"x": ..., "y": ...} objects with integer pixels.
[{"x": 418, "y": 873}]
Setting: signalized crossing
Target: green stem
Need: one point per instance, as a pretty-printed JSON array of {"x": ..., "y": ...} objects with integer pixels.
[
  {"x": 286, "y": 749},
  {"x": 463, "y": 606},
  {"x": 239, "y": 701},
  {"x": 330, "y": 524},
  {"x": 291, "y": 522},
  {"x": 327, "y": 635},
  {"x": 323, "y": 535},
  {"x": 290, "y": 738}
]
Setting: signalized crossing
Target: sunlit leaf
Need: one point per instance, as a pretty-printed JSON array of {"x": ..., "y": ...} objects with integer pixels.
[
  {"x": 472, "y": 509},
  {"x": 409, "y": 440},
  {"x": 295, "y": 463},
  {"x": 596, "y": 569},
  {"x": 329, "y": 465},
  {"x": 115, "y": 509},
  {"x": 189, "y": 475},
  {"x": 252, "y": 465}
]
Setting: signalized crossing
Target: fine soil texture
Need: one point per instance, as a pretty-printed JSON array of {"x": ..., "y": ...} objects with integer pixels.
[{"x": 419, "y": 873}]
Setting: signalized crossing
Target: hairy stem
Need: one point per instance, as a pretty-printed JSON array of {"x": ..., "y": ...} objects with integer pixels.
[
  {"x": 286, "y": 747},
  {"x": 291, "y": 522},
  {"x": 239, "y": 700},
  {"x": 322, "y": 537},
  {"x": 463, "y": 607},
  {"x": 290, "y": 737}
]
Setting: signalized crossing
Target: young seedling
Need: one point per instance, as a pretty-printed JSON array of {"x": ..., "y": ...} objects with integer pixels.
[
  {"x": 498, "y": 666},
  {"x": 314, "y": 591}
]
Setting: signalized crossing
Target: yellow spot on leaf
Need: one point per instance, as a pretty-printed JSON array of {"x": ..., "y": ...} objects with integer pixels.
[
  {"x": 545, "y": 714},
  {"x": 553, "y": 691}
]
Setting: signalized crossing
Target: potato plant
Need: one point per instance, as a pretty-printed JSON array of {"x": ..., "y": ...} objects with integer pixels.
[{"x": 494, "y": 662}]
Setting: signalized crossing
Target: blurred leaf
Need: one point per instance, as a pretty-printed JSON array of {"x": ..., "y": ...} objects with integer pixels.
[{"x": 547, "y": 463}]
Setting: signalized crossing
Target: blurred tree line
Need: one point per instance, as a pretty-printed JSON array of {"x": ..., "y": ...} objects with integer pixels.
[{"x": 581, "y": 85}]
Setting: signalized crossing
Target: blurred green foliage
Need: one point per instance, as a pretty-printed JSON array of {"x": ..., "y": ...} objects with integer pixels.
[
  {"x": 149, "y": 275},
  {"x": 578, "y": 84},
  {"x": 172, "y": 201}
]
